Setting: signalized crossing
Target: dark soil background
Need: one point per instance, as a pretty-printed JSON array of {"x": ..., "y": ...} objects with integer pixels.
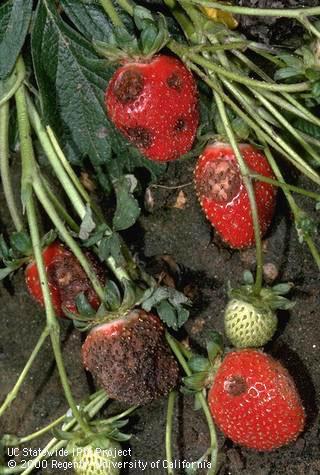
[{"x": 173, "y": 239}]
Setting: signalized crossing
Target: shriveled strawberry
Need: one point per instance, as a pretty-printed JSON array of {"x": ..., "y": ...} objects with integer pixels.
[
  {"x": 154, "y": 104},
  {"x": 130, "y": 358},
  {"x": 66, "y": 278},
  {"x": 224, "y": 198},
  {"x": 254, "y": 401}
]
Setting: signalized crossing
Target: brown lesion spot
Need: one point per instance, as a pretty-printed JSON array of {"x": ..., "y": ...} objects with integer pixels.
[
  {"x": 174, "y": 81},
  {"x": 235, "y": 385},
  {"x": 128, "y": 86},
  {"x": 221, "y": 180},
  {"x": 180, "y": 125},
  {"x": 140, "y": 136}
]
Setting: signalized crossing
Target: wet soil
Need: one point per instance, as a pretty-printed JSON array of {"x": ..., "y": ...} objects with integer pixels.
[{"x": 203, "y": 268}]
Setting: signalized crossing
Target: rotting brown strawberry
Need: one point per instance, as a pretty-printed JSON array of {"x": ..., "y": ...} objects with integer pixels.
[
  {"x": 223, "y": 195},
  {"x": 66, "y": 278},
  {"x": 154, "y": 103},
  {"x": 130, "y": 358}
]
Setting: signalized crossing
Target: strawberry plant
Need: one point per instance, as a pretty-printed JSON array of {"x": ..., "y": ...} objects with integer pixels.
[{"x": 94, "y": 95}]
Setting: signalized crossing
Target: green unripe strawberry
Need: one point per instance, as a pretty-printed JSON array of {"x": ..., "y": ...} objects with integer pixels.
[
  {"x": 93, "y": 460},
  {"x": 247, "y": 325}
]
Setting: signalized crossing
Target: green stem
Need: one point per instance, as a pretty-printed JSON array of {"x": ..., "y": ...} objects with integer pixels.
[
  {"x": 294, "y": 208},
  {"x": 59, "y": 207},
  {"x": 112, "y": 13},
  {"x": 66, "y": 237},
  {"x": 122, "y": 415},
  {"x": 287, "y": 126},
  {"x": 51, "y": 318},
  {"x": 18, "y": 76},
  {"x": 57, "y": 166},
  {"x": 309, "y": 26},
  {"x": 285, "y": 186},
  {"x": 91, "y": 409},
  {"x": 284, "y": 148},
  {"x": 69, "y": 170},
  {"x": 175, "y": 347},
  {"x": 250, "y": 190},
  {"x": 28, "y": 176},
  {"x": 44, "y": 430},
  {"x": 13, "y": 393},
  {"x": 270, "y": 12},
  {"x": 127, "y": 6},
  {"x": 5, "y": 169},
  {"x": 216, "y": 68},
  {"x": 168, "y": 442}
]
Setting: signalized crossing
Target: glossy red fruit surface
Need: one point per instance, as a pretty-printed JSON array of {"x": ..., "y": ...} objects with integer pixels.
[
  {"x": 130, "y": 358},
  {"x": 254, "y": 401},
  {"x": 223, "y": 195},
  {"x": 155, "y": 105},
  {"x": 66, "y": 279}
]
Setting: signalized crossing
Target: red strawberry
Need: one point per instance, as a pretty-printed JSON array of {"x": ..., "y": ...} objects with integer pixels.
[
  {"x": 130, "y": 358},
  {"x": 66, "y": 278},
  {"x": 154, "y": 104},
  {"x": 224, "y": 198},
  {"x": 254, "y": 401}
]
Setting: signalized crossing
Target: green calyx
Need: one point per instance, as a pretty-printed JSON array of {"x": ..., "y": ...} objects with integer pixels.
[
  {"x": 250, "y": 320},
  {"x": 125, "y": 46},
  {"x": 204, "y": 369}
]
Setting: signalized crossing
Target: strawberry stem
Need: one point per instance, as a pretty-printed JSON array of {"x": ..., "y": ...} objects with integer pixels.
[
  {"x": 56, "y": 164},
  {"x": 196, "y": 58},
  {"x": 270, "y": 12},
  {"x": 65, "y": 235},
  {"x": 112, "y": 13},
  {"x": 28, "y": 172},
  {"x": 14, "y": 392},
  {"x": 91, "y": 409},
  {"x": 5, "y": 169},
  {"x": 168, "y": 442},
  {"x": 176, "y": 349},
  {"x": 295, "y": 209},
  {"x": 285, "y": 186}
]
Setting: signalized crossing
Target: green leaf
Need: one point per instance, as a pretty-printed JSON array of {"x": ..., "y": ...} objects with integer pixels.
[
  {"x": 196, "y": 381},
  {"x": 83, "y": 306},
  {"x": 282, "y": 289},
  {"x": 72, "y": 81},
  {"x": 4, "y": 272},
  {"x": 89, "y": 17},
  {"x": 248, "y": 278},
  {"x": 87, "y": 224},
  {"x": 308, "y": 128},
  {"x": 198, "y": 363},
  {"x": 214, "y": 346},
  {"x": 21, "y": 242},
  {"x": 113, "y": 296},
  {"x": 286, "y": 73},
  {"x": 128, "y": 210},
  {"x": 15, "y": 16},
  {"x": 110, "y": 246}
]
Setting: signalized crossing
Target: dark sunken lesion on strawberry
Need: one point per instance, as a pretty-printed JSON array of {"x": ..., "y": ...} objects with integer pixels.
[
  {"x": 137, "y": 366},
  {"x": 174, "y": 81},
  {"x": 68, "y": 276},
  {"x": 235, "y": 385},
  {"x": 140, "y": 136},
  {"x": 180, "y": 125},
  {"x": 221, "y": 181},
  {"x": 128, "y": 86}
]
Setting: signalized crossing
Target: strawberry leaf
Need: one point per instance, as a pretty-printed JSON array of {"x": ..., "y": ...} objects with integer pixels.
[
  {"x": 15, "y": 16},
  {"x": 128, "y": 210}
]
